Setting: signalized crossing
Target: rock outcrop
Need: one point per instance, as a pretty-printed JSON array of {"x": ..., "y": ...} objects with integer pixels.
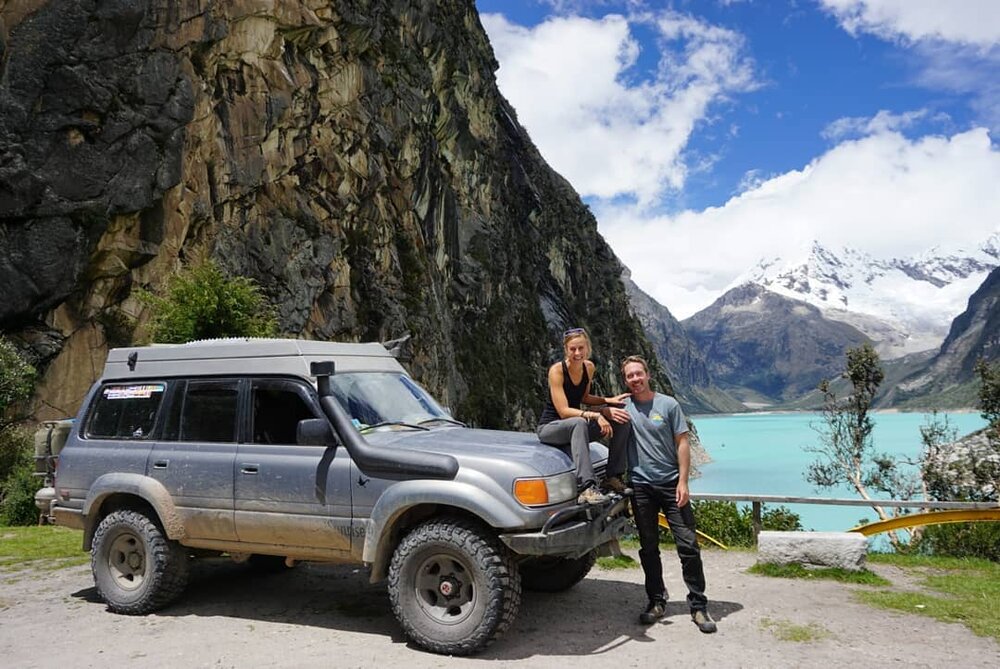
[{"x": 353, "y": 157}]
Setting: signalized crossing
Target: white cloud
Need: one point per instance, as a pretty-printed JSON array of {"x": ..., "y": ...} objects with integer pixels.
[
  {"x": 883, "y": 121},
  {"x": 973, "y": 22},
  {"x": 610, "y": 130},
  {"x": 955, "y": 45},
  {"x": 885, "y": 194}
]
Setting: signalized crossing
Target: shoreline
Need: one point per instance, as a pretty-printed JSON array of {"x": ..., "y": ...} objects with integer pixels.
[{"x": 788, "y": 412}]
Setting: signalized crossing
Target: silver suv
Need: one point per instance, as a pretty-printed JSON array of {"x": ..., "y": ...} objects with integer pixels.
[{"x": 257, "y": 450}]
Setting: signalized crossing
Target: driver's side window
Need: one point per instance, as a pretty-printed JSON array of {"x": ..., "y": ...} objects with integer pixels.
[{"x": 277, "y": 408}]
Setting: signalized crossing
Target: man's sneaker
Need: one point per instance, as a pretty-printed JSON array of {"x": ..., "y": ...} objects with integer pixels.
[
  {"x": 614, "y": 484},
  {"x": 653, "y": 612},
  {"x": 704, "y": 621},
  {"x": 591, "y": 495}
]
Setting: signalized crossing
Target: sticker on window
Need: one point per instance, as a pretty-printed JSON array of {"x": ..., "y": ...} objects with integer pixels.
[{"x": 144, "y": 391}]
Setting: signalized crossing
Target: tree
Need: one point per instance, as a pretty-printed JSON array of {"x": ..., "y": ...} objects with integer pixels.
[
  {"x": 846, "y": 452},
  {"x": 966, "y": 470},
  {"x": 17, "y": 382},
  {"x": 17, "y": 484},
  {"x": 989, "y": 394},
  {"x": 203, "y": 303}
]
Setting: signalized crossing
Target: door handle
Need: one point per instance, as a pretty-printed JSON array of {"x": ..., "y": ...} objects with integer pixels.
[
  {"x": 249, "y": 469},
  {"x": 161, "y": 464}
]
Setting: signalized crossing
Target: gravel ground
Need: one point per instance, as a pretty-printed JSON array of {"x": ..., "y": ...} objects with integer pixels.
[{"x": 322, "y": 616}]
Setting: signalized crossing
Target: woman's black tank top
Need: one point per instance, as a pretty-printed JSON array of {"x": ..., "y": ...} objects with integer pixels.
[{"x": 574, "y": 395}]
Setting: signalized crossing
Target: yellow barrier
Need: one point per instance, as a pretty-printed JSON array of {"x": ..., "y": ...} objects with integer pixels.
[
  {"x": 664, "y": 523},
  {"x": 928, "y": 518}
]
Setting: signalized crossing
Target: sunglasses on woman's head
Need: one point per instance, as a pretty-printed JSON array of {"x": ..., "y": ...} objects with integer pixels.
[{"x": 573, "y": 331}]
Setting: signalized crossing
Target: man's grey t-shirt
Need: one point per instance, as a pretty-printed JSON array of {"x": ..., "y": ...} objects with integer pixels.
[{"x": 652, "y": 451}]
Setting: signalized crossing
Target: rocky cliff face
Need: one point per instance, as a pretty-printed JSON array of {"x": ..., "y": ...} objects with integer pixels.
[
  {"x": 680, "y": 355},
  {"x": 765, "y": 348},
  {"x": 948, "y": 379},
  {"x": 354, "y": 157}
]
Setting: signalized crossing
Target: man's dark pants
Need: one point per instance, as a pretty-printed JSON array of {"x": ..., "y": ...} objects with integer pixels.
[{"x": 649, "y": 500}]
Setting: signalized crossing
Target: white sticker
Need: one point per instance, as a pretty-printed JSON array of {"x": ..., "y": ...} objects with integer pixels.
[{"x": 133, "y": 392}]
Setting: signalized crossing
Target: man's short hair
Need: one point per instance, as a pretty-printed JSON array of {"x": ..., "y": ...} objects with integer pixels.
[{"x": 635, "y": 358}]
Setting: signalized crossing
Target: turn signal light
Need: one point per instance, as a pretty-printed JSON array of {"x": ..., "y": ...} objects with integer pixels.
[{"x": 531, "y": 492}]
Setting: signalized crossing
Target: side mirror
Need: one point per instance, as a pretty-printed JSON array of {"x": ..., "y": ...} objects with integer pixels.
[{"x": 314, "y": 432}]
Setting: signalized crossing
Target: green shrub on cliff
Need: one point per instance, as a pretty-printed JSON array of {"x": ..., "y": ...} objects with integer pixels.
[{"x": 203, "y": 303}]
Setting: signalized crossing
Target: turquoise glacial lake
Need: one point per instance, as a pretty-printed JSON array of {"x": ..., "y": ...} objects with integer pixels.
[{"x": 764, "y": 453}]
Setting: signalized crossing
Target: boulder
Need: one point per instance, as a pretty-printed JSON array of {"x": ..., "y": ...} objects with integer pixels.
[{"x": 846, "y": 550}]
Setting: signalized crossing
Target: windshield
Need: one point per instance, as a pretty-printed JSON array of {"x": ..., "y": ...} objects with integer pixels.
[{"x": 386, "y": 399}]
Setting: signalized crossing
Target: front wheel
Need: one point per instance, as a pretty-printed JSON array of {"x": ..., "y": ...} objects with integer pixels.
[
  {"x": 136, "y": 569},
  {"x": 453, "y": 587},
  {"x": 551, "y": 574}
]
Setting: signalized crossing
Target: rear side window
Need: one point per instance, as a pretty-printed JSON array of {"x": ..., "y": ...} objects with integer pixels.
[
  {"x": 209, "y": 411},
  {"x": 126, "y": 411}
]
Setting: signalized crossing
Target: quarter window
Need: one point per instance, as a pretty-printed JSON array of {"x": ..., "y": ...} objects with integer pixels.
[{"x": 126, "y": 411}]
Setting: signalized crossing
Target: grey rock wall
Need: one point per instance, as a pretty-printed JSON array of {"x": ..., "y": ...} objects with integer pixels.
[{"x": 353, "y": 157}]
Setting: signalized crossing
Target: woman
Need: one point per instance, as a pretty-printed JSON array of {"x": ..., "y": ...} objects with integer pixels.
[{"x": 564, "y": 422}]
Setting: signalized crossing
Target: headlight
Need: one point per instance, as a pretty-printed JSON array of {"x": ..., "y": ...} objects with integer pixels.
[{"x": 547, "y": 490}]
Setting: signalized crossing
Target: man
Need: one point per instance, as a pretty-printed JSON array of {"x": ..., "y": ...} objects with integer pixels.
[{"x": 659, "y": 459}]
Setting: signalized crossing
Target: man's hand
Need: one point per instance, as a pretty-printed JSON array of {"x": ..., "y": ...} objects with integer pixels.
[{"x": 683, "y": 496}]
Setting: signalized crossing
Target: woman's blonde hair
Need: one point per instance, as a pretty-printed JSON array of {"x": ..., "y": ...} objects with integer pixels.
[{"x": 572, "y": 334}]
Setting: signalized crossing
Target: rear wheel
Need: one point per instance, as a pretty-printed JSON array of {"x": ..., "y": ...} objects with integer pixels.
[
  {"x": 551, "y": 574},
  {"x": 136, "y": 568},
  {"x": 453, "y": 587}
]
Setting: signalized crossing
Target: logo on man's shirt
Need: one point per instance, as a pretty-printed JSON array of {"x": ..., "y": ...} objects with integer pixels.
[{"x": 656, "y": 417}]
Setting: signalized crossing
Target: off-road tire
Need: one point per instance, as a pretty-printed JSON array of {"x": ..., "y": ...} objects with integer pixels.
[
  {"x": 552, "y": 574},
  {"x": 481, "y": 574},
  {"x": 137, "y": 570}
]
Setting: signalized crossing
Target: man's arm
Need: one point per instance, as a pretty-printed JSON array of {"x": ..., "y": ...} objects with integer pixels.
[{"x": 684, "y": 467}]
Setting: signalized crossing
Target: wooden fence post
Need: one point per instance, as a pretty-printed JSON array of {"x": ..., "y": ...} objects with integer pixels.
[{"x": 757, "y": 523}]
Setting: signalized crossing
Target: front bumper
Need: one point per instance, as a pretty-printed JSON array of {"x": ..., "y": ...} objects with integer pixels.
[{"x": 584, "y": 531}]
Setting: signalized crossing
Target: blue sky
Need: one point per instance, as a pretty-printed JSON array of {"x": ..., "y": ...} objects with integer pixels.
[{"x": 707, "y": 135}]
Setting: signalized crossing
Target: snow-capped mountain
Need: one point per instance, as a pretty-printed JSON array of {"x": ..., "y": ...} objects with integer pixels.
[{"x": 903, "y": 304}]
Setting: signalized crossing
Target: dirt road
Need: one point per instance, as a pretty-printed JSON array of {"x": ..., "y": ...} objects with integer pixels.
[{"x": 321, "y": 616}]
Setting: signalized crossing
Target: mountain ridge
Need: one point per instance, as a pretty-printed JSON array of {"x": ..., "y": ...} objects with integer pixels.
[{"x": 903, "y": 304}]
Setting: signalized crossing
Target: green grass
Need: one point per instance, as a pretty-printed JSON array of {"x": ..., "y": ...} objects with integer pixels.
[
  {"x": 44, "y": 547},
  {"x": 617, "y": 562},
  {"x": 786, "y": 630},
  {"x": 961, "y": 590},
  {"x": 863, "y": 577}
]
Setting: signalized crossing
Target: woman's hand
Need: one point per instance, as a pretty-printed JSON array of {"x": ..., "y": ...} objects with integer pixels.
[
  {"x": 605, "y": 426},
  {"x": 617, "y": 399},
  {"x": 614, "y": 410}
]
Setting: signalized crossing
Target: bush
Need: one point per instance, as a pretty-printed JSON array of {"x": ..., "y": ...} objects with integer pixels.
[
  {"x": 17, "y": 382},
  {"x": 18, "y": 484},
  {"x": 203, "y": 303},
  {"x": 733, "y": 526},
  {"x": 962, "y": 540}
]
